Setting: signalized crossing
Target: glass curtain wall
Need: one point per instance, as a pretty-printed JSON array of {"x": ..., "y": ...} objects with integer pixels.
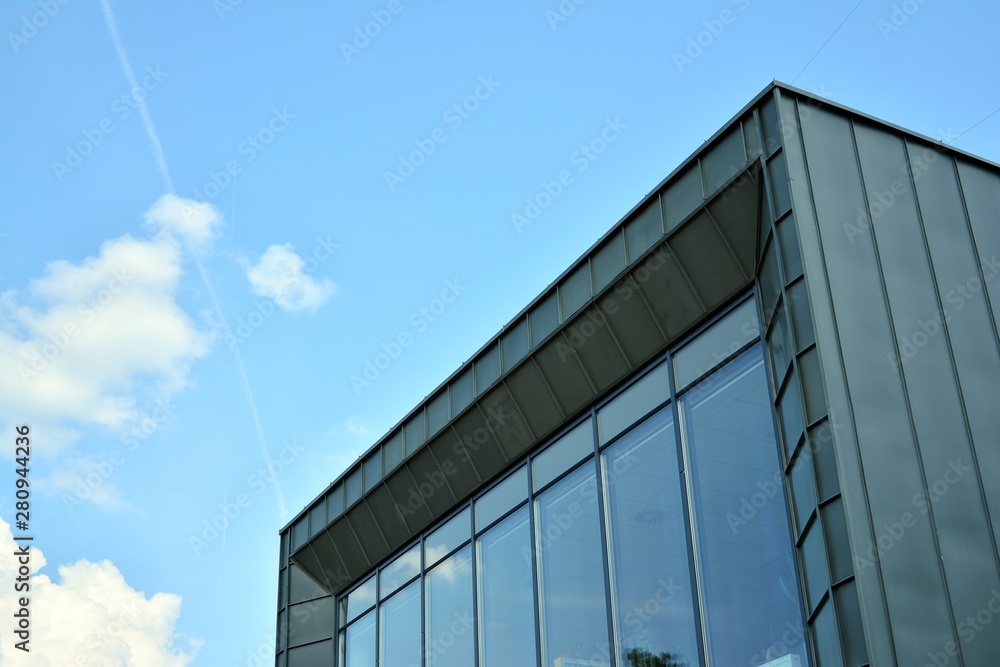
[
  {"x": 749, "y": 588},
  {"x": 664, "y": 542}
]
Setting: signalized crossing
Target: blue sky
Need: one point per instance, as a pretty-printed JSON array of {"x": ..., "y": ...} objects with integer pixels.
[{"x": 191, "y": 271}]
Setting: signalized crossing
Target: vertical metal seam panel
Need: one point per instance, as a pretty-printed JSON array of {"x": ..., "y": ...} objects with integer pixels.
[
  {"x": 996, "y": 334},
  {"x": 917, "y": 450},
  {"x": 875, "y": 611}
]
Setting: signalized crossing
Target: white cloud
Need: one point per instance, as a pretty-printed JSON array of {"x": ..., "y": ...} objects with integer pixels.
[
  {"x": 92, "y": 616},
  {"x": 194, "y": 222},
  {"x": 93, "y": 334},
  {"x": 279, "y": 276}
]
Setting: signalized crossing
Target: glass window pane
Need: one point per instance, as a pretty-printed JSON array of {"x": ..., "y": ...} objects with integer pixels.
[
  {"x": 769, "y": 280},
  {"x": 450, "y": 636},
  {"x": 544, "y": 318},
  {"x": 447, "y": 538},
  {"x": 750, "y": 133},
  {"x": 373, "y": 469},
  {"x": 749, "y": 580},
  {"x": 608, "y": 261},
  {"x": 778, "y": 173},
  {"x": 802, "y": 323},
  {"x": 400, "y": 571},
  {"x": 360, "y": 600},
  {"x": 821, "y": 441},
  {"x": 778, "y": 346},
  {"x": 462, "y": 391},
  {"x": 414, "y": 433},
  {"x": 317, "y": 517},
  {"x": 352, "y": 486},
  {"x": 571, "y": 573},
  {"x": 360, "y": 643},
  {"x": 400, "y": 631},
  {"x": 575, "y": 291},
  {"x": 437, "y": 412},
  {"x": 392, "y": 451},
  {"x": 502, "y": 497},
  {"x": 335, "y": 502},
  {"x": 645, "y": 229},
  {"x": 634, "y": 403},
  {"x": 300, "y": 532},
  {"x": 487, "y": 369},
  {"x": 649, "y": 553},
  {"x": 851, "y": 628},
  {"x": 788, "y": 240},
  {"x": 683, "y": 195},
  {"x": 769, "y": 121},
  {"x": 563, "y": 454},
  {"x": 515, "y": 344},
  {"x": 506, "y": 602},
  {"x": 724, "y": 159},
  {"x": 716, "y": 344},
  {"x": 837, "y": 542}
]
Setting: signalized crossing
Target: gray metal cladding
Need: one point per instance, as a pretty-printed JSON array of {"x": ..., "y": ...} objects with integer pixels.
[{"x": 918, "y": 358}]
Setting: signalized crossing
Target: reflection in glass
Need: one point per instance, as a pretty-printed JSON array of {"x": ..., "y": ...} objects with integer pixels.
[
  {"x": 649, "y": 553},
  {"x": 571, "y": 574},
  {"x": 360, "y": 600},
  {"x": 447, "y": 538},
  {"x": 450, "y": 638},
  {"x": 360, "y": 644},
  {"x": 506, "y": 604},
  {"x": 398, "y": 572},
  {"x": 400, "y": 641},
  {"x": 749, "y": 586},
  {"x": 502, "y": 497}
]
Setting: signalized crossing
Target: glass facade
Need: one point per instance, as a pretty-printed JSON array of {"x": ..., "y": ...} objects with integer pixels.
[{"x": 665, "y": 542}]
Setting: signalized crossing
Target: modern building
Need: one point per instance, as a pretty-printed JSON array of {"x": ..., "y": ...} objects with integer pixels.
[{"x": 757, "y": 423}]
